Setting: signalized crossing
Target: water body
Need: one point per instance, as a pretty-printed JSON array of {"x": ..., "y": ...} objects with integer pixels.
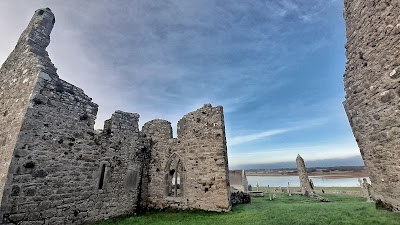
[{"x": 276, "y": 181}]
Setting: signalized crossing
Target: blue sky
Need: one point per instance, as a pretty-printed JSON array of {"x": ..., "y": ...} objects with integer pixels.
[{"x": 276, "y": 66}]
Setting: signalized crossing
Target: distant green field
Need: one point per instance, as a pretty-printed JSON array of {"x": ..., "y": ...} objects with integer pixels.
[{"x": 294, "y": 210}]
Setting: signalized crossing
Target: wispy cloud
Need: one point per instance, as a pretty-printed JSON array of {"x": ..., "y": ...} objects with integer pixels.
[
  {"x": 296, "y": 126},
  {"x": 253, "y": 137}
]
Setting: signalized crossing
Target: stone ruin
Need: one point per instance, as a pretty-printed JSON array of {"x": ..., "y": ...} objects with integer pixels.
[
  {"x": 307, "y": 188},
  {"x": 238, "y": 180},
  {"x": 371, "y": 83},
  {"x": 240, "y": 192},
  {"x": 55, "y": 169}
]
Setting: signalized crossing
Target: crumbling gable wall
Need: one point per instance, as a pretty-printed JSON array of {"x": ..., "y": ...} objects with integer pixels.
[
  {"x": 199, "y": 154},
  {"x": 58, "y": 170},
  {"x": 18, "y": 77},
  {"x": 372, "y": 88}
]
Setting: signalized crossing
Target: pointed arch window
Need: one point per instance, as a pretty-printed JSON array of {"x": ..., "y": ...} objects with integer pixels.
[{"x": 174, "y": 177}]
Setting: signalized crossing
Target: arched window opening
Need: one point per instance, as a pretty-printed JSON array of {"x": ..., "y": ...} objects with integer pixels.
[{"x": 174, "y": 177}]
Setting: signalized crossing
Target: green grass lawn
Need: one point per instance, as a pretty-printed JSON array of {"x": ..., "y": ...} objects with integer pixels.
[
  {"x": 294, "y": 210},
  {"x": 318, "y": 189}
]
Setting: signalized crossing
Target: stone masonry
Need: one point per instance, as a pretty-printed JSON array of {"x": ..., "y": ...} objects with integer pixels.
[
  {"x": 238, "y": 180},
  {"x": 56, "y": 169},
  {"x": 372, "y": 100},
  {"x": 200, "y": 152},
  {"x": 305, "y": 185}
]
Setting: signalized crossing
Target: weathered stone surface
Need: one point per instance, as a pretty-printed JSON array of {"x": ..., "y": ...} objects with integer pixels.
[
  {"x": 305, "y": 182},
  {"x": 238, "y": 180},
  {"x": 200, "y": 150},
  {"x": 239, "y": 197},
  {"x": 55, "y": 169},
  {"x": 371, "y": 82}
]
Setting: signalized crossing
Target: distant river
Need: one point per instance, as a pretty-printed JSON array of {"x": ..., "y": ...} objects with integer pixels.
[{"x": 276, "y": 181}]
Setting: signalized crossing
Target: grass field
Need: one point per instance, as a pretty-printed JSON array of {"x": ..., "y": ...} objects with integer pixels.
[
  {"x": 294, "y": 210},
  {"x": 318, "y": 189}
]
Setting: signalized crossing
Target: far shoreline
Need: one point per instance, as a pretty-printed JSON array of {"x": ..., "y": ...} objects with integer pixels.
[{"x": 325, "y": 175}]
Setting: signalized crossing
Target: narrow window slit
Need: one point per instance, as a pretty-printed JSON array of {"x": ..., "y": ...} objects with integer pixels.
[{"x": 102, "y": 174}]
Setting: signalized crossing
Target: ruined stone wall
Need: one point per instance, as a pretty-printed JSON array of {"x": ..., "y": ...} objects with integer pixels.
[
  {"x": 18, "y": 76},
  {"x": 372, "y": 88},
  {"x": 201, "y": 148},
  {"x": 55, "y": 169},
  {"x": 58, "y": 170},
  {"x": 125, "y": 152},
  {"x": 304, "y": 180},
  {"x": 238, "y": 180}
]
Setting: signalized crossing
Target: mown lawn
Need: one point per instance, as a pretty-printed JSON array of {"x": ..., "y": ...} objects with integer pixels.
[
  {"x": 318, "y": 189},
  {"x": 294, "y": 210}
]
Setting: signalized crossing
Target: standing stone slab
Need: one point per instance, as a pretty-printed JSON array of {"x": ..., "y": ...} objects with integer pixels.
[
  {"x": 305, "y": 183},
  {"x": 371, "y": 82}
]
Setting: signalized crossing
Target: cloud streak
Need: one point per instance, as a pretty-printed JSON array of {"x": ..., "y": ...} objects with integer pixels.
[
  {"x": 252, "y": 137},
  {"x": 298, "y": 125}
]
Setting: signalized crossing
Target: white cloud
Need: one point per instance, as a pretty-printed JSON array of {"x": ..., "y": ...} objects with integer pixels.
[
  {"x": 252, "y": 137},
  {"x": 296, "y": 126}
]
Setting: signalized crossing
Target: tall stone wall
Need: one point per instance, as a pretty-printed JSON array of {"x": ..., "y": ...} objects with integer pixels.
[
  {"x": 372, "y": 89},
  {"x": 303, "y": 176},
  {"x": 58, "y": 171},
  {"x": 125, "y": 152},
  {"x": 199, "y": 155},
  {"x": 18, "y": 77}
]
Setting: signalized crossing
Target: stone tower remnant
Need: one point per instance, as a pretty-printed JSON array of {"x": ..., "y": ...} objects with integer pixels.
[
  {"x": 371, "y": 83},
  {"x": 305, "y": 183},
  {"x": 55, "y": 169}
]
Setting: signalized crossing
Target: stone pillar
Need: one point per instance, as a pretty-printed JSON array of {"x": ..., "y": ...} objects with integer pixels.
[
  {"x": 305, "y": 186},
  {"x": 371, "y": 83}
]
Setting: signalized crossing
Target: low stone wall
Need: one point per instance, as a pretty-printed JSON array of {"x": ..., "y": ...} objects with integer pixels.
[{"x": 239, "y": 197}]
